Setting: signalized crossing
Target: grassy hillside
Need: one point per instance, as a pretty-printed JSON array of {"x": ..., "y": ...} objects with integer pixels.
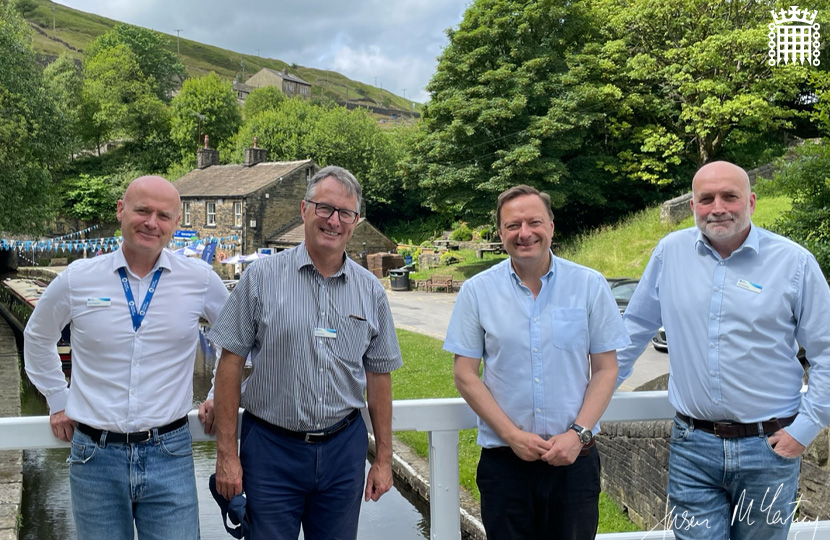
[
  {"x": 624, "y": 249},
  {"x": 59, "y": 29}
]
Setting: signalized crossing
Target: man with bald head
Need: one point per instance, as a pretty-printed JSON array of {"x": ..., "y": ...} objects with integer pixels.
[
  {"x": 134, "y": 316},
  {"x": 736, "y": 300}
]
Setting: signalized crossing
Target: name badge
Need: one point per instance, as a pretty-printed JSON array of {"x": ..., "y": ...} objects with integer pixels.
[
  {"x": 749, "y": 286},
  {"x": 329, "y": 333},
  {"x": 98, "y": 302}
]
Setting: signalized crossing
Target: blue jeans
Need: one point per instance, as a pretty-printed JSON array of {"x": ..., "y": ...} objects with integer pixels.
[
  {"x": 288, "y": 481},
  {"x": 729, "y": 488},
  {"x": 150, "y": 484}
]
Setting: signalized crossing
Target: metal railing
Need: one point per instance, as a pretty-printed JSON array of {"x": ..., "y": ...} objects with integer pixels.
[{"x": 441, "y": 419}]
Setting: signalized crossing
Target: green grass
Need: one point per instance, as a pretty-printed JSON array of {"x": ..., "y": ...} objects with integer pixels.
[
  {"x": 624, "y": 249},
  {"x": 469, "y": 266},
  {"x": 427, "y": 373}
]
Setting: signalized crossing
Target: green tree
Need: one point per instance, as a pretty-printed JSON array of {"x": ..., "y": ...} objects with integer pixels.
[
  {"x": 64, "y": 80},
  {"x": 119, "y": 99},
  {"x": 206, "y": 105},
  {"x": 282, "y": 131},
  {"x": 31, "y": 131},
  {"x": 504, "y": 109},
  {"x": 94, "y": 198},
  {"x": 159, "y": 66},
  {"x": 264, "y": 98},
  {"x": 691, "y": 75}
]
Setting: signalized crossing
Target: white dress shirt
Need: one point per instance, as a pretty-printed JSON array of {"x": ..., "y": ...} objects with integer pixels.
[{"x": 122, "y": 380}]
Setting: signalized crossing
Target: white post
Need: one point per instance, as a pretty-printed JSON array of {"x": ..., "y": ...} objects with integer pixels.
[{"x": 444, "y": 501}]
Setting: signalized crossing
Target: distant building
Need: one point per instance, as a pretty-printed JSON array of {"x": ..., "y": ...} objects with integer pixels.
[{"x": 291, "y": 85}]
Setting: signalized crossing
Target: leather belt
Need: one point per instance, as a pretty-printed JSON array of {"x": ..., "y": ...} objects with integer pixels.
[
  {"x": 586, "y": 449},
  {"x": 733, "y": 430},
  {"x": 309, "y": 436},
  {"x": 113, "y": 437}
]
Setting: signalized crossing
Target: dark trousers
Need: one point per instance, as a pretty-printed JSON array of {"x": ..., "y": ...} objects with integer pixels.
[
  {"x": 288, "y": 481},
  {"x": 531, "y": 500}
]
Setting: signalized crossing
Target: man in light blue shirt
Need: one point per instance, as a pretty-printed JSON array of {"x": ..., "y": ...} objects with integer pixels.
[
  {"x": 736, "y": 301},
  {"x": 547, "y": 330}
]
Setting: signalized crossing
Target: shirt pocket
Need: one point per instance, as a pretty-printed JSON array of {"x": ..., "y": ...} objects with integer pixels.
[
  {"x": 352, "y": 341},
  {"x": 569, "y": 329}
]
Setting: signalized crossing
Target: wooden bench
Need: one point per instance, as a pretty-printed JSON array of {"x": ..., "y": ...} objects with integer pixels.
[
  {"x": 436, "y": 281},
  {"x": 493, "y": 247}
]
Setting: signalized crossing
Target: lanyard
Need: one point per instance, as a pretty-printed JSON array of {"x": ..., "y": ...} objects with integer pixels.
[{"x": 138, "y": 315}]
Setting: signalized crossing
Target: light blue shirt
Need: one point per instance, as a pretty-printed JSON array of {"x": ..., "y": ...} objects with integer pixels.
[
  {"x": 535, "y": 351},
  {"x": 733, "y": 326}
]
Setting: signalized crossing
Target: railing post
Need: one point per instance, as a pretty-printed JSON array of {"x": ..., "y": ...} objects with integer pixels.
[{"x": 444, "y": 502}]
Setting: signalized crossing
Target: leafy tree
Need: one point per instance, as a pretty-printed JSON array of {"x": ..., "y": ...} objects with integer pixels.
[
  {"x": 119, "y": 99},
  {"x": 94, "y": 198},
  {"x": 691, "y": 75},
  {"x": 159, "y": 66},
  {"x": 64, "y": 80},
  {"x": 505, "y": 109},
  {"x": 206, "y": 105},
  {"x": 264, "y": 98},
  {"x": 282, "y": 131},
  {"x": 31, "y": 131}
]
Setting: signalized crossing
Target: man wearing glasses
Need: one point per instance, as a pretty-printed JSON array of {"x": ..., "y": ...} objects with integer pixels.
[{"x": 321, "y": 334}]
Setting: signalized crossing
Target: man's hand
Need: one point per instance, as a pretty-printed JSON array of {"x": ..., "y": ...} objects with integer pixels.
[
  {"x": 564, "y": 450},
  {"x": 228, "y": 476},
  {"x": 63, "y": 427},
  {"x": 784, "y": 445},
  {"x": 379, "y": 481},
  {"x": 528, "y": 446},
  {"x": 206, "y": 417}
]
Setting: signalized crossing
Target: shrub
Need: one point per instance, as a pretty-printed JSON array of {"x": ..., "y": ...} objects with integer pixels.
[
  {"x": 462, "y": 233},
  {"x": 449, "y": 258}
]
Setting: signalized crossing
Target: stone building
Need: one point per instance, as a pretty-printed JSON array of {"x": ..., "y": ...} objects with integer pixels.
[{"x": 291, "y": 85}]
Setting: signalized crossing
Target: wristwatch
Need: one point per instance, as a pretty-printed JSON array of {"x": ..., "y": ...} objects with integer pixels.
[{"x": 585, "y": 434}]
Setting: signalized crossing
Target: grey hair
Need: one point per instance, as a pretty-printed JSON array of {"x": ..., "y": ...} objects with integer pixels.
[{"x": 346, "y": 179}]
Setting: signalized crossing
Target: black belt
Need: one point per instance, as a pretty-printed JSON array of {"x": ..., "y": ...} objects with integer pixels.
[
  {"x": 309, "y": 436},
  {"x": 733, "y": 430},
  {"x": 126, "y": 438}
]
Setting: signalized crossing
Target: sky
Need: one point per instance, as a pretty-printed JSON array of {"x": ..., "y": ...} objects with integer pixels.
[{"x": 392, "y": 44}]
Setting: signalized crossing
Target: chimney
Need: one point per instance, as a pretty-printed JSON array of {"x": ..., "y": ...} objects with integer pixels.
[
  {"x": 206, "y": 157},
  {"x": 255, "y": 155}
]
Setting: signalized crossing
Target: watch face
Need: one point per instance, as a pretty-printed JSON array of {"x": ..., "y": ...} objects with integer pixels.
[{"x": 585, "y": 436}]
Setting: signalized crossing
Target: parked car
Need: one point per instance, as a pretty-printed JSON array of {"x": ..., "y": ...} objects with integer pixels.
[
  {"x": 622, "y": 288},
  {"x": 659, "y": 341}
]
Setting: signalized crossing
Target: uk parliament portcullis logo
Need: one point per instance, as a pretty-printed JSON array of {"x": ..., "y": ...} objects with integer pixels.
[{"x": 794, "y": 37}]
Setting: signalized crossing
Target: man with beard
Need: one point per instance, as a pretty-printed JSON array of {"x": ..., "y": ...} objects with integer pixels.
[{"x": 736, "y": 300}]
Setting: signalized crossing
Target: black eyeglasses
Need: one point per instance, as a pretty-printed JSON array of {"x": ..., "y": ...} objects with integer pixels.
[{"x": 324, "y": 210}]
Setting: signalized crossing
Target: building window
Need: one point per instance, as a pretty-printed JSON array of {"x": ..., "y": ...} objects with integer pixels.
[
  {"x": 210, "y": 211},
  {"x": 185, "y": 213},
  {"x": 237, "y": 214}
]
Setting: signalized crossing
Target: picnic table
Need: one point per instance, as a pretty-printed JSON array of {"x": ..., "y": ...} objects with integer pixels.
[{"x": 489, "y": 247}]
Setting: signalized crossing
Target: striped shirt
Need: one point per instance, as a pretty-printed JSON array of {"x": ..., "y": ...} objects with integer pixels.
[{"x": 312, "y": 339}]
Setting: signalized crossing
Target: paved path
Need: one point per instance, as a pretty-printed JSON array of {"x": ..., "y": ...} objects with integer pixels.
[{"x": 429, "y": 314}]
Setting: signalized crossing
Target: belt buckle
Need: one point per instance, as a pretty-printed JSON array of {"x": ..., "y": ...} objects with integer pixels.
[
  {"x": 309, "y": 435},
  {"x": 715, "y": 428},
  {"x": 145, "y": 436}
]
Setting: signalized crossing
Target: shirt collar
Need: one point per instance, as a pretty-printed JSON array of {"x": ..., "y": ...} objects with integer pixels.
[
  {"x": 548, "y": 275},
  {"x": 118, "y": 261},
  {"x": 751, "y": 242},
  {"x": 304, "y": 260}
]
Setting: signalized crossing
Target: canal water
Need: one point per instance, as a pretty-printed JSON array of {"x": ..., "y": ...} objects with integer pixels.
[{"x": 47, "y": 513}]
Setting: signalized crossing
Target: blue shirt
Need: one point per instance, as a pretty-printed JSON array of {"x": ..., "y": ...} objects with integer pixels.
[
  {"x": 535, "y": 351},
  {"x": 312, "y": 339},
  {"x": 733, "y": 326}
]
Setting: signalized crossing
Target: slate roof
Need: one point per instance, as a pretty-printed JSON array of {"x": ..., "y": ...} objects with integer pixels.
[
  {"x": 295, "y": 235},
  {"x": 235, "y": 180}
]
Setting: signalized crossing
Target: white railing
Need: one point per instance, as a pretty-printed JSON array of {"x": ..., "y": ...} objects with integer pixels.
[{"x": 441, "y": 419}]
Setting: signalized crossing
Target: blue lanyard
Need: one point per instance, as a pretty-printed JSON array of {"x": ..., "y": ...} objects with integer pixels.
[{"x": 138, "y": 315}]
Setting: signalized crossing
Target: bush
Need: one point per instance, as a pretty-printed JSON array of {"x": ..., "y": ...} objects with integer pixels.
[
  {"x": 449, "y": 258},
  {"x": 485, "y": 232},
  {"x": 462, "y": 233},
  {"x": 807, "y": 182}
]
